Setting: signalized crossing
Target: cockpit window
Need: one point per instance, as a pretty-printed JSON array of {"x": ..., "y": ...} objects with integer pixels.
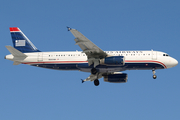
[{"x": 165, "y": 55}]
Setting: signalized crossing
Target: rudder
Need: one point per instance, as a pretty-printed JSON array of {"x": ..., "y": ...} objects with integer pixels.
[{"x": 21, "y": 42}]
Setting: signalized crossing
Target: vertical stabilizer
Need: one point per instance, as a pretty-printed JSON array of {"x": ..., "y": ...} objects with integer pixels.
[{"x": 21, "y": 42}]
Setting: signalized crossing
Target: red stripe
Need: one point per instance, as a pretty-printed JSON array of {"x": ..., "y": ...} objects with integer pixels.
[
  {"x": 13, "y": 29},
  {"x": 145, "y": 61}
]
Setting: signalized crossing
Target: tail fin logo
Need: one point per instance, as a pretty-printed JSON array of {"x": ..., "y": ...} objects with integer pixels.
[{"x": 20, "y": 43}]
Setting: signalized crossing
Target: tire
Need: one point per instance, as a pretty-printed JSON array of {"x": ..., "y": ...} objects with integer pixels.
[
  {"x": 154, "y": 76},
  {"x": 96, "y": 82}
]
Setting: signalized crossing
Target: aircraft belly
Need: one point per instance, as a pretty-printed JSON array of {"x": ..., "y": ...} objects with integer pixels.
[
  {"x": 129, "y": 65},
  {"x": 143, "y": 66},
  {"x": 101, "y": 68},
  {"x": 58, "y": 66}
]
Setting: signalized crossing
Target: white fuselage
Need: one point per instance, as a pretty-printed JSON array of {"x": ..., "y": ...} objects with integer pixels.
[{"x": 134, "y": 60}]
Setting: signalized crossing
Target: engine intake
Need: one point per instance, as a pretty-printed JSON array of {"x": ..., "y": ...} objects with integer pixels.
[
  {"x": 116, "y": 78},
  {"x": 114, "y": 60}
]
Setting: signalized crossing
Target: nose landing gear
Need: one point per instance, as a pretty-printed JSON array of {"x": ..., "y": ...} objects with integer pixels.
[{"x": 154, "y": 76}]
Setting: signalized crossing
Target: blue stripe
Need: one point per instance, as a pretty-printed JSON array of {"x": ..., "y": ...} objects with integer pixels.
[{"x": 127, "y": 66}]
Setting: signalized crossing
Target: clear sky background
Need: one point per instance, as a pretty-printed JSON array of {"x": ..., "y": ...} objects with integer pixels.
[{"x": 28, "y": 93}]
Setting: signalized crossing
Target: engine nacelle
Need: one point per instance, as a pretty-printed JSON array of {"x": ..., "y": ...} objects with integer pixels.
[
  {"x": 114, "y": 60},
  {"x": 116, "y": 78}
]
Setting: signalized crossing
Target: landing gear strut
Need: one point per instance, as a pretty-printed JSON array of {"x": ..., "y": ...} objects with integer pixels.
[
  {"x": 96, "y": 82},
  {"x": 94, "y": 71},
  {"x": 154, "y": 76}
]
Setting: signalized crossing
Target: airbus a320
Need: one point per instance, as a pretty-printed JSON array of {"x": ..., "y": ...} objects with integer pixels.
[{"x": 92, "y": 59}]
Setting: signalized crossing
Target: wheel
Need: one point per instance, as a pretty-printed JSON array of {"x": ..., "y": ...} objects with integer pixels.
[
  {"x": 96, "y": 82},
  {"x": 154, "y": 76},
  {"x": 93, "y": 70}
]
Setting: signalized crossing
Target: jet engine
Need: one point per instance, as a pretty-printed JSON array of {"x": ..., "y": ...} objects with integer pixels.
[
  {"x": 114, "y": 60},
  {"x": 116, "y": 78}
]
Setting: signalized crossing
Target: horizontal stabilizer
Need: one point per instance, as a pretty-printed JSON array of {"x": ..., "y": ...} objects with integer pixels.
[
  {"x": 15, "y": 52},
  {"x": 16, "y": 63}
]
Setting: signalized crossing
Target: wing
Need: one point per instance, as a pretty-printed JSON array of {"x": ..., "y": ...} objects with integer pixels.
[{"x": 93, "y": 52}]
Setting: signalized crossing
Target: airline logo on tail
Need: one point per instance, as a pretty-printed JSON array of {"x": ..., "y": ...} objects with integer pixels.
[{"x": 21, "y": 42}]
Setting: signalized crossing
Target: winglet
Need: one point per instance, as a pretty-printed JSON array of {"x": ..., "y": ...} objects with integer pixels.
[
  {"x": 69, "y": 28},
  {"x": 82, "y": 80}
]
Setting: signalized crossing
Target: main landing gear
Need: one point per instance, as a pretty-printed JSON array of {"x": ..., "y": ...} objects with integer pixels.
[
  {"x": 94, "y": 71},
  {"x": 96, "y": 82},
  {"x": 154, "y": 76},
  {"x": 93, "y": 77}
]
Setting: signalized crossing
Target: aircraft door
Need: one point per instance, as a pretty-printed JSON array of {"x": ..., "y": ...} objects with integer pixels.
[
  {"x": 40, "y": 57},
  {"x": 154, "y": 55}
]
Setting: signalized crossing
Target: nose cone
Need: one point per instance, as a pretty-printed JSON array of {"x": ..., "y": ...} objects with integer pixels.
[
  {"x": 170, "y": 62},
  {"x": 174, "y": 62}
]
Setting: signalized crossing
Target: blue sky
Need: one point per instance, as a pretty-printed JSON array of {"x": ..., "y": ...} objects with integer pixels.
[{"x": 28, "y": 93}]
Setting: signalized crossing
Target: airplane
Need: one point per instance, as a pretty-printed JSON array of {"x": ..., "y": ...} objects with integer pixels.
[{"x": 106, "y": 64}]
